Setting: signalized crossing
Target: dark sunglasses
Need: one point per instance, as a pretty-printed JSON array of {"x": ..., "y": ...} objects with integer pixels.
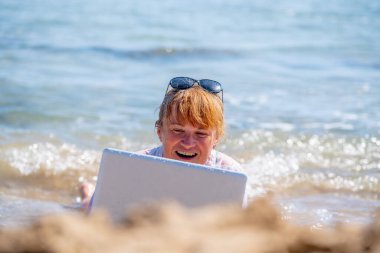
[{"x": 183, "y": 83}]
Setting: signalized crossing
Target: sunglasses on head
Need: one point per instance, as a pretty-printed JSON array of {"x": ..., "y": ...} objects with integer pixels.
[{"x": 183, "y": 83}]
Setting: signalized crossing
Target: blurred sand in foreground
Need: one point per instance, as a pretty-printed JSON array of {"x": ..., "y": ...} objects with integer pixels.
[{"x": 172, "y": 228}]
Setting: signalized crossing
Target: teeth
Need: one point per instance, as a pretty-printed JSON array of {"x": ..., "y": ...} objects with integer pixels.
[{"x": 186, "y": 153}]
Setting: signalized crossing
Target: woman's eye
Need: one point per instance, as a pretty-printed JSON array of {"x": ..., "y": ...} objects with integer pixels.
[
  {"x": 202, "y": 135},
  {"x": 177, "y": 131}
]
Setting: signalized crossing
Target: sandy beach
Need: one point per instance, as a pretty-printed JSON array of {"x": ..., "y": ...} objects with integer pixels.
[{"x": 171, "y": 228}]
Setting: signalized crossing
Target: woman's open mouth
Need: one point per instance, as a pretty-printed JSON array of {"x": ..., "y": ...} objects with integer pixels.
[{"x": 186, "y": 155}]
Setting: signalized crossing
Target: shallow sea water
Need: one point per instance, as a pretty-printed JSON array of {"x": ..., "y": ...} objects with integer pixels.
[{"x": 301, "y": 91}]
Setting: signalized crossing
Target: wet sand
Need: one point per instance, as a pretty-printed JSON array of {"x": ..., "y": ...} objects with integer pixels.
[{"x": 172, "y": 228}]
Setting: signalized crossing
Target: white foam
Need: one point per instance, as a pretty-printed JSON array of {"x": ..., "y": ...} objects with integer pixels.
[
  {"x": 266, "y": 171},
  {"x": 47, "y": 156}
]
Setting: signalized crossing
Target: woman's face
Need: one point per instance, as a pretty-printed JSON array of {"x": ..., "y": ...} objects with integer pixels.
[{"x": 186, "y": 142}]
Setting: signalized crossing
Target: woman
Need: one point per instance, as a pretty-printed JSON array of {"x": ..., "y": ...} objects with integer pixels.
[
  {"x": 189, "y": 126},
  {"x": 191, "y": 123}
]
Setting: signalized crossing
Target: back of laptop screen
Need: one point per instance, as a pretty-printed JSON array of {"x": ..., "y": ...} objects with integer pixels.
[{"x": 127, "y": 180}]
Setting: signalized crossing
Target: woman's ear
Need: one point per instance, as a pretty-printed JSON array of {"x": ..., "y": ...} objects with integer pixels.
[
  {"x": 159, "y": 132},
  {"x": 158, "y": 126}
]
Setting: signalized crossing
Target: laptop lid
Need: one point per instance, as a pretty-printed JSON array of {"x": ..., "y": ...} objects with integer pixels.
[{"x": 127, "y": 180}]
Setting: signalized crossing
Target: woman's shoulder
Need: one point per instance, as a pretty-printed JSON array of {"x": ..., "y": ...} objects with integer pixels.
[
  {"x": 157, "y": 151},
  {"x": 226, "y": 162}
]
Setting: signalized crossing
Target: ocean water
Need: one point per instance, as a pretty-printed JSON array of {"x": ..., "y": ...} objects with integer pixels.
[{"x": 301, "y": 88}]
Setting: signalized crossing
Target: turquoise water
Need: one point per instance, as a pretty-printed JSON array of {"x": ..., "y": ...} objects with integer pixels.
[{"x": 301, "y": 88}]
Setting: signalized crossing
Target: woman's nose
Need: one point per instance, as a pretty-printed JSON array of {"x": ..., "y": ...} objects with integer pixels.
[{"x": 188, "y": 140}]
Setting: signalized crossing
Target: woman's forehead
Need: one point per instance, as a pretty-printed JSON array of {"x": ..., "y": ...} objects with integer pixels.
[{"x": 175, "y": 121}]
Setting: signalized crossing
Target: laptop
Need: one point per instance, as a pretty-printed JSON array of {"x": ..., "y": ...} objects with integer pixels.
[{"x": 127, "y": 180}]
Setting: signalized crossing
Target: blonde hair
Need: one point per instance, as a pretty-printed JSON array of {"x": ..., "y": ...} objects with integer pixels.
[{"x": 196, "y": 106}]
